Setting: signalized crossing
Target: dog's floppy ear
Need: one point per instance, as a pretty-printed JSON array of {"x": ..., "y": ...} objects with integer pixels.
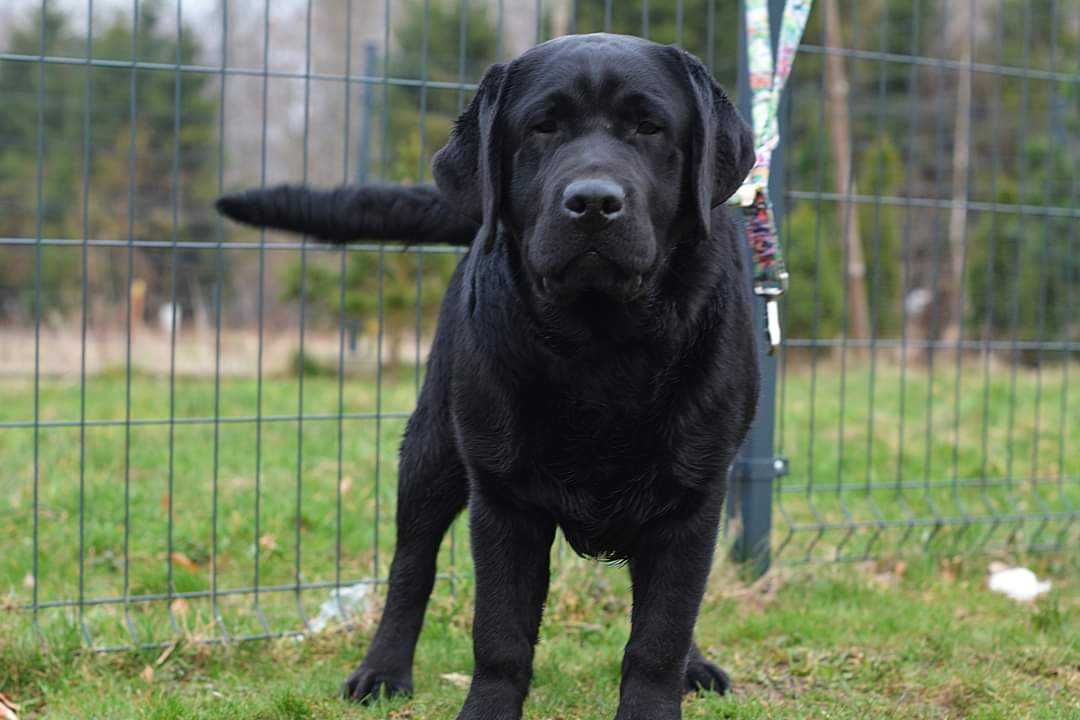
[
  {"x": 722, "y": 144},
  {"x": 466, "y": 169}
]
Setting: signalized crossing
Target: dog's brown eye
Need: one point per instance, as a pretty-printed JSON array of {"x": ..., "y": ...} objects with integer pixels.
[
  {"x": 545, "y": 127},
  {"x": 647, "y": 128}
]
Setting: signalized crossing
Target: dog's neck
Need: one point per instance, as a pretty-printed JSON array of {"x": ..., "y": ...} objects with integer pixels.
[{"x": 660, "y": 323}]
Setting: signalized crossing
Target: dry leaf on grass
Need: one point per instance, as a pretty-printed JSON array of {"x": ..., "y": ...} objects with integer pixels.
[
  {"x": 462, "y": 681},
  {"x": 8, "y": 709},
  {"x": 179, "y": 607},
  {"x": 165, "y": 654},
  {"x": 885, "y": 580},
  {"x": 268, "y": 542},
  {"x": 147, "y": 674},
  {"x": 948, "y": 572},
  {"x": 185, "y": 562}
]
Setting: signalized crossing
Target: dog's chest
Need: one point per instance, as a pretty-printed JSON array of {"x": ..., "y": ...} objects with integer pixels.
[
  {"x": 602, "y": 466},
  {"x": 593, "y": 419},
  {"x": 603, "y": 451}
]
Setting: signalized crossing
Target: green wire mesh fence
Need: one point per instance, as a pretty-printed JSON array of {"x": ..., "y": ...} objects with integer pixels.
[{"x": 199, "y": 422}]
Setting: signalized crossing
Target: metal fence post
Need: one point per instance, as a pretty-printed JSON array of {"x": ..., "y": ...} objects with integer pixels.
[{"x": 757, "y": 465}]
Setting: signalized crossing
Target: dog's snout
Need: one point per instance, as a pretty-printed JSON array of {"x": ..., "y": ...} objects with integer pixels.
[{"x": 593, "y": 201}]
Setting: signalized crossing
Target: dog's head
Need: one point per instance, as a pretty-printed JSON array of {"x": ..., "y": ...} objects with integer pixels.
[{"x": 598, "y": 154}]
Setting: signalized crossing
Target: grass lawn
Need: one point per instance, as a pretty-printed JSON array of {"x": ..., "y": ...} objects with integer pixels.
[
  {"x": 837, "y": 641},
  {"x": 883, "y": 464}
]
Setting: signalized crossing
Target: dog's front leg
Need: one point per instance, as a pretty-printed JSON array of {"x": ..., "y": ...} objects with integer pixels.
[
  {"x": 511, "y": 554},
  {"x": 669, "y": 571}
]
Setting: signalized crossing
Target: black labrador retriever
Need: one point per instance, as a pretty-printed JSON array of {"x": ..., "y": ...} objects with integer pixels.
[{"x": 594, "y": 366}]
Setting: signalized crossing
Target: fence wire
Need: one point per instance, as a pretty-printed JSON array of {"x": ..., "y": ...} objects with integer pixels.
[
  {"x": 200, "y": 422},
  {"x": 940, "y": 420}
]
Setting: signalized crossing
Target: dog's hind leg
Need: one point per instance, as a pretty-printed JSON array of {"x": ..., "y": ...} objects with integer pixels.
[
  {"x": 703, "y": 675},
  {"x": 432, "y": 490}
]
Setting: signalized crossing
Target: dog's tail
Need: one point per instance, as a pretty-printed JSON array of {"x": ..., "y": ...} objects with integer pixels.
[{"x": 414, "y": 215}]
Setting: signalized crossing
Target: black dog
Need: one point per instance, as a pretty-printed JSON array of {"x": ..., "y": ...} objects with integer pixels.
[{"x": 594, "y": 366}]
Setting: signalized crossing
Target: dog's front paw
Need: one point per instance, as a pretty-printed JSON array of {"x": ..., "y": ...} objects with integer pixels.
[
  {"x": 492, "y": 700},
  {"x": 638, "y": 710},
  {"x": 366, "y": 685},
  {"x": 703, "y": 675}
]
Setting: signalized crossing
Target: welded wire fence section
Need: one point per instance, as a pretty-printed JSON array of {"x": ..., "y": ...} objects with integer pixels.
[
  {"x": 931, "y": 225},
  {"x": 199, "y": 422}
]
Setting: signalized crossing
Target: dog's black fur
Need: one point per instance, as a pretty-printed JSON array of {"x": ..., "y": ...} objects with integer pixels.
[{"x": 594, "y": 366}]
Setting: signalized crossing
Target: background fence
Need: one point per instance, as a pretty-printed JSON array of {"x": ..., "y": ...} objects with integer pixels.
[{"x": 200, "y": 422}]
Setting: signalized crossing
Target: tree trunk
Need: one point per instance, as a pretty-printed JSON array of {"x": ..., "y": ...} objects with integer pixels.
[
  {"x": 560, "y": 18},
  {"x": 836, "y": 83},
  {"x": 960, "y": 25}
]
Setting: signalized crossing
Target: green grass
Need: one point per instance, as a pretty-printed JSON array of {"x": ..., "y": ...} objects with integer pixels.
[
  {"x": 902, "y": 461},
  {"x": 841, "y": 641},
  {"x": 920, "y": 483}
]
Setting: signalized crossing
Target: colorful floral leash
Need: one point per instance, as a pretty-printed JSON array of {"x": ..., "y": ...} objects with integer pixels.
[{"x": 770, "y": 274}]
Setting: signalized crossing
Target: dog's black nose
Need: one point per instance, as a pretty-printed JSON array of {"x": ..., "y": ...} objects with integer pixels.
[{"x": 593, "y": 201}]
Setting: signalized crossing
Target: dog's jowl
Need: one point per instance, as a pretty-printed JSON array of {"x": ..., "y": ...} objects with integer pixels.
[{"x": 594, "y": 366}]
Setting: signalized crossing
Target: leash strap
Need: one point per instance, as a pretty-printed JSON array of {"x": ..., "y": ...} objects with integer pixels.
[{"x": 766, "y": 86}]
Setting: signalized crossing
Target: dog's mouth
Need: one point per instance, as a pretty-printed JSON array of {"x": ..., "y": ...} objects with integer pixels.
[{"x": 592, "y": 273}]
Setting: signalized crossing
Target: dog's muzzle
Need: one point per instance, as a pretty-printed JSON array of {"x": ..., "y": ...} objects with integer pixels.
[{"x": 591, "y": 272}]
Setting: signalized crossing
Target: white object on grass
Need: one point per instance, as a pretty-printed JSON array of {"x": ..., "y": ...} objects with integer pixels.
[
  {"x": 342, "y": 605},
  {"x": 1019, "y": 583}
]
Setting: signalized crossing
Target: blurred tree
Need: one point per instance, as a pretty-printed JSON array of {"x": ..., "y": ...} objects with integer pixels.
[
  {"x": 428, "y": 47},
  {"x": 841, "y": 138},
  {"x": 659, "y": 20},
  {"x": 156, "y": 184},
  {"x": 882, "y": 173},
  {"x": 1023, "y": 269},
  {"x": 813, "y": 304},
  {"x": 906, "y": 125}
]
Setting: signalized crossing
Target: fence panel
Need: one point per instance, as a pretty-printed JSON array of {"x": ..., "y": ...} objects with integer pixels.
[
  {"x": 924, "y": 401},
  {"x": 199, "y": 422}
]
